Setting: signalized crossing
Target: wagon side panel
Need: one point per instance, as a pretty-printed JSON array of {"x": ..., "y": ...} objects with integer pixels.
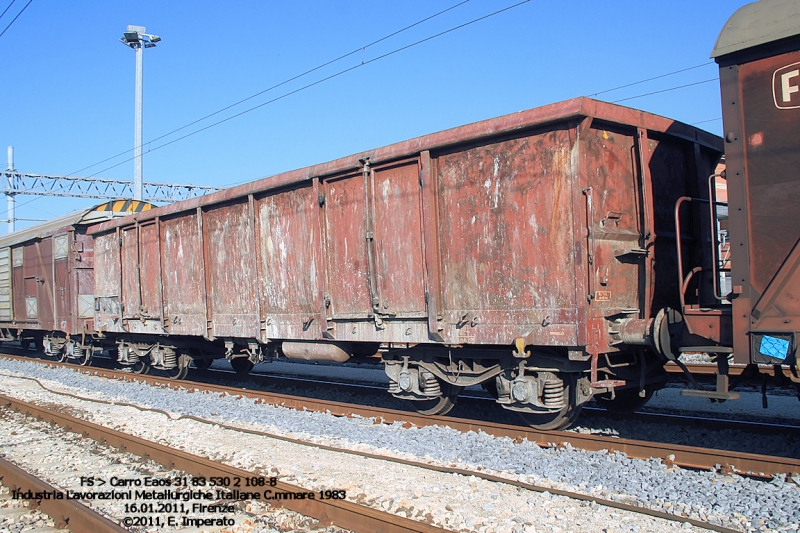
[
  {"x": 231, "y": 271},
  {"x": 83, "y": 283},
  {"x": 507, "y": 255},
  {"x": 288, "y": 236},
  {"x": 107, "y": 282},
  {"x": 399, "y": 259},
  {"x": 183, "y": 283},
  {"x": 346, "y": 248}
]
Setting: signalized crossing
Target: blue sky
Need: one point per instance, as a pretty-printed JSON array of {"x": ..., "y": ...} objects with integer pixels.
[{"x": 68, "y": 92}]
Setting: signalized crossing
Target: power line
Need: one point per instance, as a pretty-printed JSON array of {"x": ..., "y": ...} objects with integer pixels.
[
  {"x": 705, "y": 121},
  {"x": 312, "y": 84},
  {"x": 15, "y": 18},
  {"x": 653, "y": 78},
  {"x": 6, "y": 9},
  {"x": 664, "y": 90},
  {"x": 289, "y": 80}
]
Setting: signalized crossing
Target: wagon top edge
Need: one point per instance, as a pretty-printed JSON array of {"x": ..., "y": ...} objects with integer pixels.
[{"x": 560, "y": 112}]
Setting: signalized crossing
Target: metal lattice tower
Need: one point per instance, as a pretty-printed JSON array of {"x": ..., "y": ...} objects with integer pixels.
[{"x": 13, "y": 183}]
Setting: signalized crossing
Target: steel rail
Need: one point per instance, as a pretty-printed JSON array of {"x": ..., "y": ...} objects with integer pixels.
[
  {"x": 342, "y": 513},
  {"x": 762, "y": 466},
  {"x": 464, "y": 472},
  {"x": 77, "y": 517}
]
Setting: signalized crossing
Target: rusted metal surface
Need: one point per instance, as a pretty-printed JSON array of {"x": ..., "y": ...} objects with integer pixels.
[
  {"x": 531, "y": 225},
  {"x": 685, "y": 456},
  {"x": 292, "y": 276},
  {"x": 52, "y": 285},
  {"x": 760, "y": 116},
  {"x": 66, "y": 513},
  {"x": 183, "y": 282},
  {"x": 339, "y": 512}
]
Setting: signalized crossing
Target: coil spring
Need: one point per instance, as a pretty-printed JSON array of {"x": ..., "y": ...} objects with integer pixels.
[
  {"x": 127, "y": 355},
  {"x": 553, "y": 394},
  {"x": 170, "y": 358},
  {"x": 430, "y": 385}
]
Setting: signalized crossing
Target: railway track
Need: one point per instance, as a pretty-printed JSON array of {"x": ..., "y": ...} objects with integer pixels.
[
  {"x": 172, "y": 458},
  {"x": 757, "y": 465},
  {"x": 340, "y": 512},
  {"x": 63, "y": 513}
]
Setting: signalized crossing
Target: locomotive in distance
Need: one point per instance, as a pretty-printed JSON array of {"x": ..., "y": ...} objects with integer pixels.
[{"x": 552, "y": 255}]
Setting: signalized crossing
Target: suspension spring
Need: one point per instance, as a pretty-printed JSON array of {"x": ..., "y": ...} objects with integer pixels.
[
  {"x": 170, "y": 358},
  {"x": 553, "y": 394},
  {"x": 430, "y": 385}
]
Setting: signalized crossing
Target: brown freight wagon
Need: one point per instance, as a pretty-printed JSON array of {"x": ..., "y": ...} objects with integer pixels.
[
  {"x": 534, "y": 253},
  {"x": 47, "y": 282}
]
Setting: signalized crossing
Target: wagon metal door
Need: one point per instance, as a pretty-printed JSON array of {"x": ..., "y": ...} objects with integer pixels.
[
  {"x": 231, "y": 271},
  {"x": 287, "y": 234},
  {"x": 348, "y": 273},
  {"x": 131, "y": 297},
  {"x": 373, "y": 234},
  {"x": 6, "y": 307},
  {"x": 399, "y": 261},
  {"x": 617, "y": 254},
  {"x": 63, "y": 298},
  {"x": 149, "y": 272}
]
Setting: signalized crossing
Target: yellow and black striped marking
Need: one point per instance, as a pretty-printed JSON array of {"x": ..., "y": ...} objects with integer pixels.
[{"x": 125, "y": 206}]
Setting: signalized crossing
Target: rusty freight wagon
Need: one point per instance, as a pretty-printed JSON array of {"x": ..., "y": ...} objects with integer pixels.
[
  {"x": 47, "y": 282},
  {"x": 534, "y": 253}
]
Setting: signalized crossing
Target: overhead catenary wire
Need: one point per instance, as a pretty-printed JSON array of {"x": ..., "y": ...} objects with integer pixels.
[
  {"x": 7, "y": 8},
  {"x": 15, "y": 18},
  {"x": 665, "y": 90},
  {"x": 707, "y": 63}
]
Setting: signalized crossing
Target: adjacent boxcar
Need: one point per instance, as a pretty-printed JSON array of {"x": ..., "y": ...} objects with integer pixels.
[
  {"x": 531, "y": 252},
  {"x": 758, "y": 52},
  {"x": 47, "y": 282}
]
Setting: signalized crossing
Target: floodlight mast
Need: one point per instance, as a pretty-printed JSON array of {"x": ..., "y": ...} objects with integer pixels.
[{"x": 136, "y": 38}]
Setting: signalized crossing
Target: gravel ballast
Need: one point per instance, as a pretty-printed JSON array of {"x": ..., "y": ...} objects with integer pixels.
[{"x": 474, "y": 504}]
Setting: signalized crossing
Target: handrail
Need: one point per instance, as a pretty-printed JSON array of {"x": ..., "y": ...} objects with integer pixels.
[{"x": 682, "y": 282}]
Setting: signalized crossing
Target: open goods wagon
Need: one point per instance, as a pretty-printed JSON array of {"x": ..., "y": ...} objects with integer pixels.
[
  {"x": 534, "y": 253},
  {"x": 47, "y": 282}
]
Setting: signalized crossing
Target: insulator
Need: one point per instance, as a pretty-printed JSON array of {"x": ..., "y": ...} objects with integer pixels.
[{"x": 553, "y": 394}]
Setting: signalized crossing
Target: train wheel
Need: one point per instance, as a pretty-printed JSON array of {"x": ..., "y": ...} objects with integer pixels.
[
  {"x": 625, "y": 401},
  {"x": 438, "y": 406},
  {"x": 242, "y": 365},
  {"x": 552, "y": 421},
  {"x": 202, "y": 364},
  {"x": 140, "y": 367}
]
